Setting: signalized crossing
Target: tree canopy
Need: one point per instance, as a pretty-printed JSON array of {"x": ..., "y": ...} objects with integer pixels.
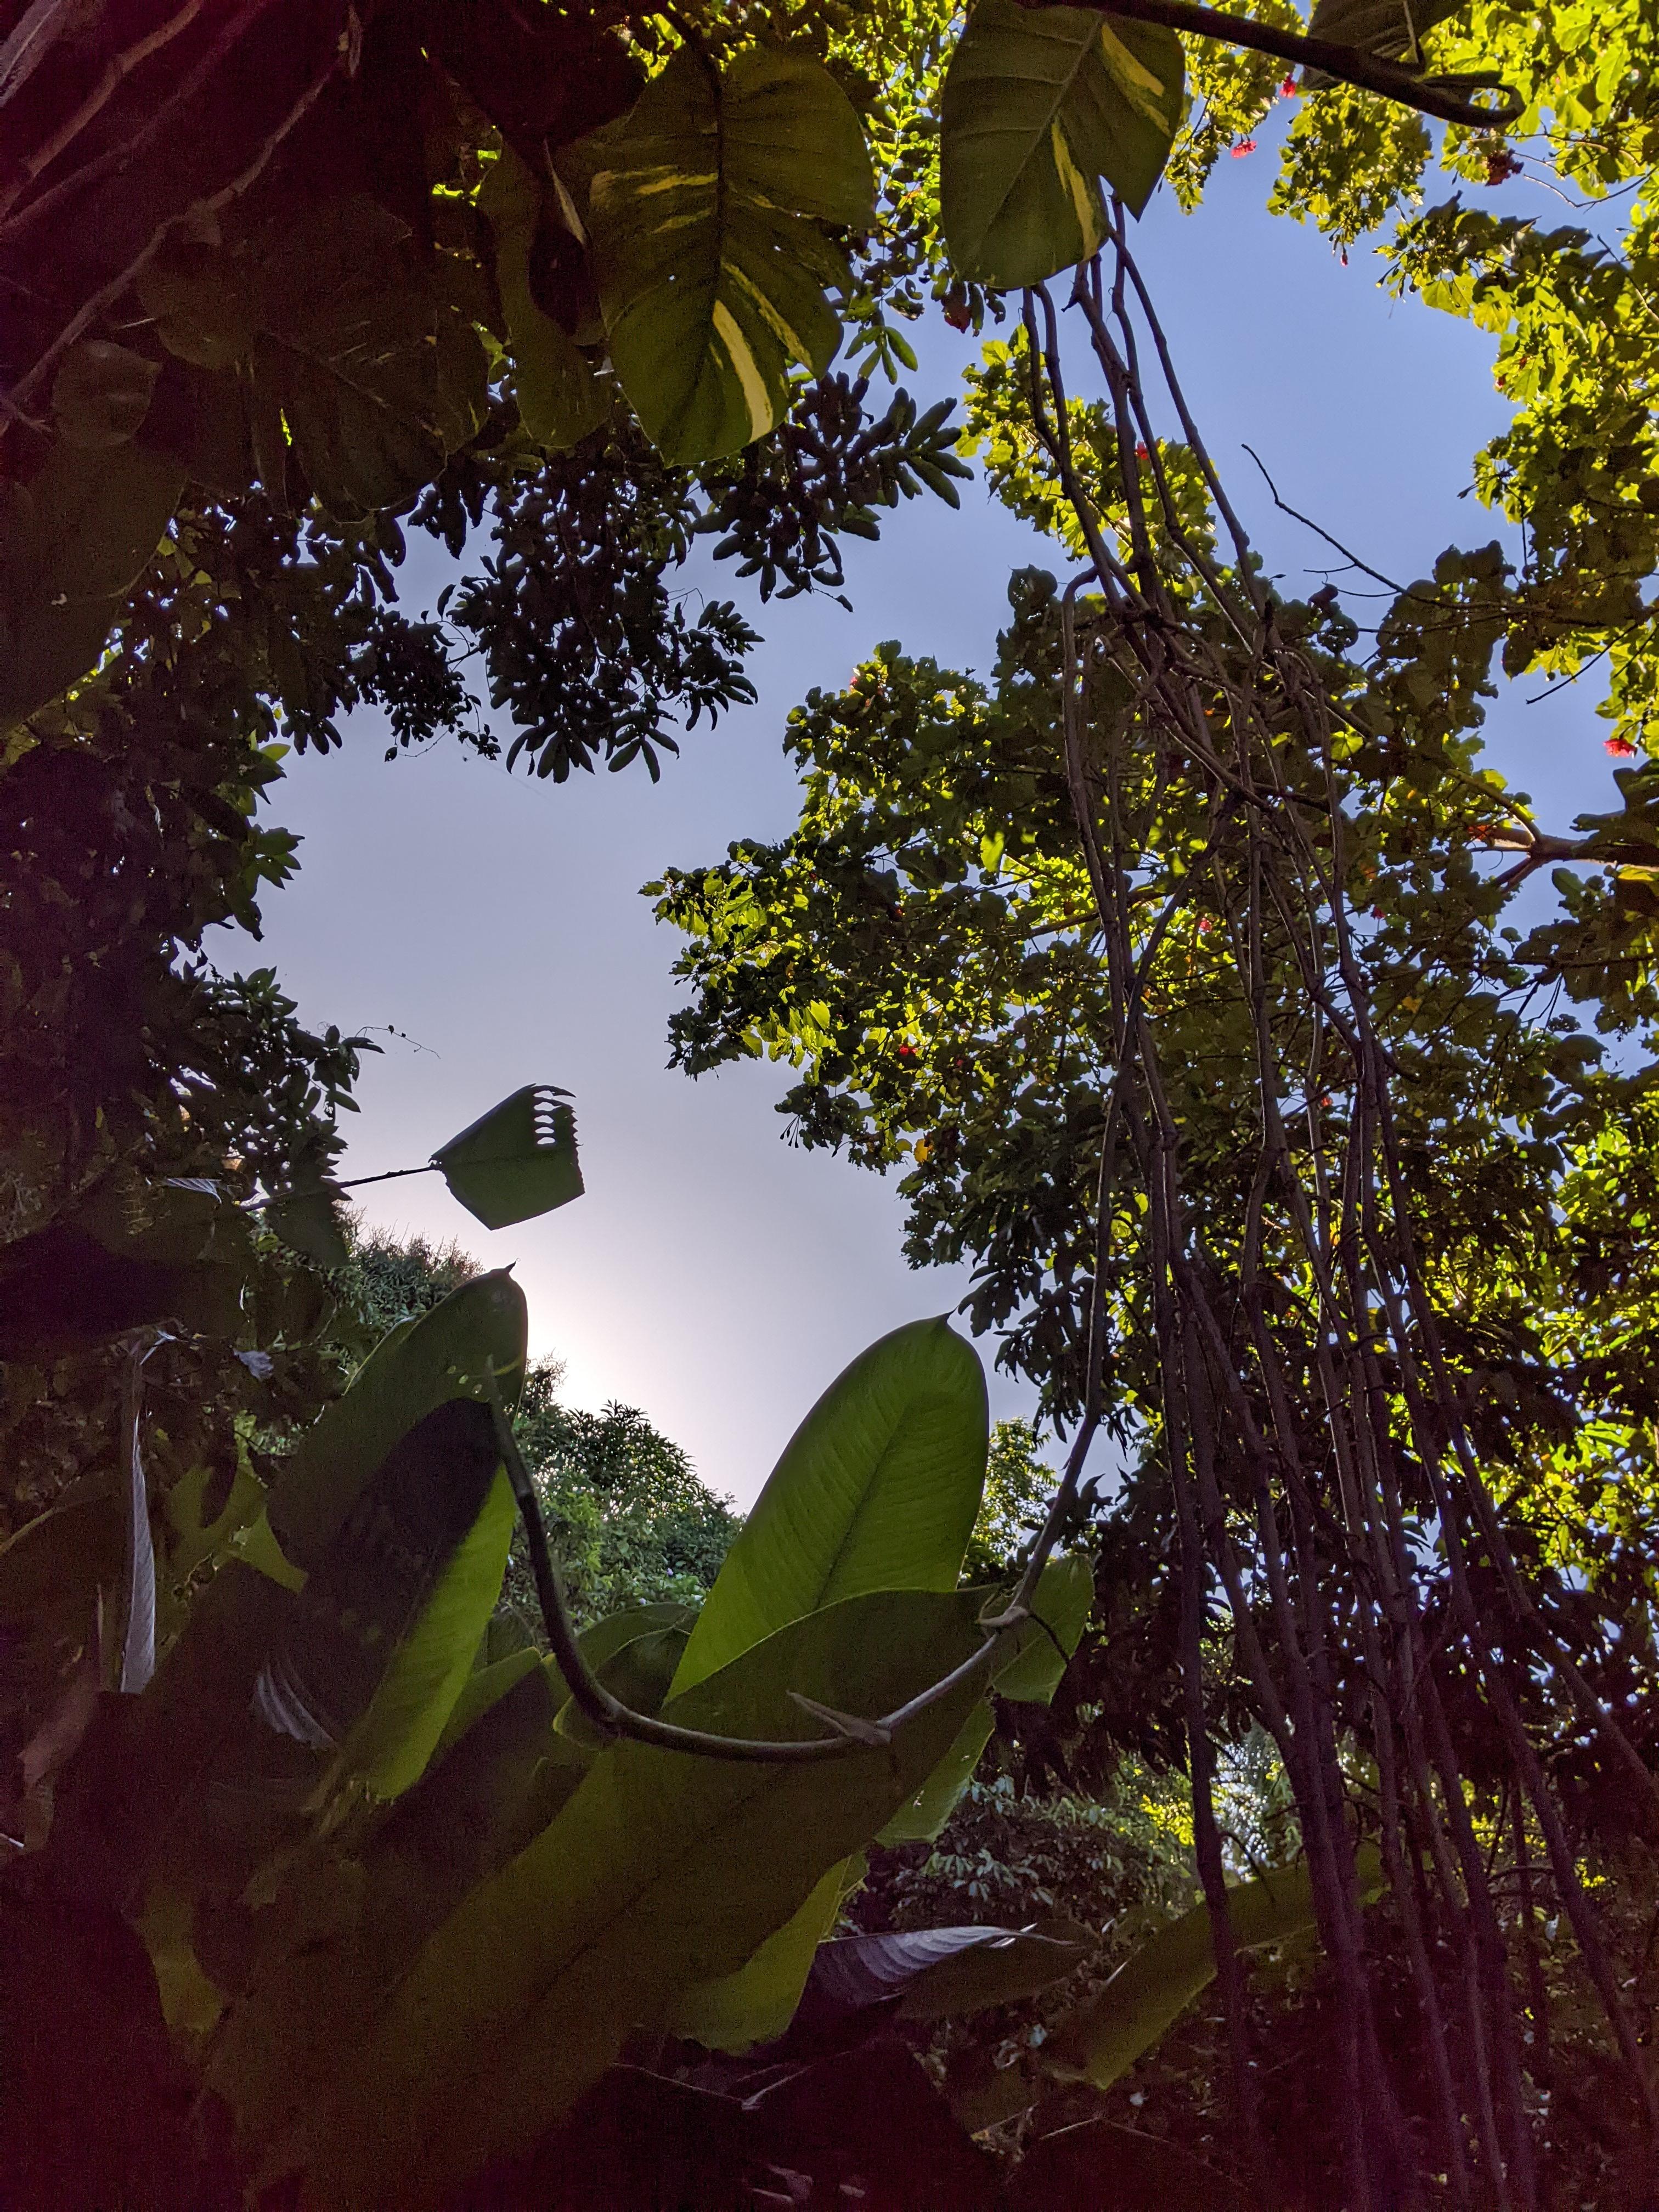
[{"x": 1189, "y": 965}]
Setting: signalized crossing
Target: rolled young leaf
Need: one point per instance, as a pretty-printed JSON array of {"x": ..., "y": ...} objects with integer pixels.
[
  {"x": 1040, "y": 104},
  {"x": 517, "y": 1161}
]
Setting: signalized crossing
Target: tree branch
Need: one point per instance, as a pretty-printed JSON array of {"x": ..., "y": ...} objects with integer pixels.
[{"x": 1392, "y": 80}]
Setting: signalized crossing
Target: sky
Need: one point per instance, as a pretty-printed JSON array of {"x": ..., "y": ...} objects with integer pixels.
[{"x": 490, "y": 927}]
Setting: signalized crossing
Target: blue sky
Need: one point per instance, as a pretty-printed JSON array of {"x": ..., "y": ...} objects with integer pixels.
[{"x": 713, "y": 1275}]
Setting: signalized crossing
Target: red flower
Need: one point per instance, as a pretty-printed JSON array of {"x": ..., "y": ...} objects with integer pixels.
[
  {"x": 1620, "y": 748},
  {"x": 1141, "y": 453},
  {"x": 1287, "y": 90},
  {"x": 1244, "y": 146},
  {"x": 1501, "y": 166}
]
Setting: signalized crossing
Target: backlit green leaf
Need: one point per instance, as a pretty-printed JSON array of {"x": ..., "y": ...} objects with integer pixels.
[
  {"x": 1029, "y": 1672},
  {"x": 704, "y": 206},
  {"x": 877, "y": 1489},
  {"x": 559, "y": 396},
  {"x": 448, "y": 1352},
  {"x": 1041, "y": 104},
  {"x": 525, "y": 1994},
  {"x": 1155, "y": 1985}
]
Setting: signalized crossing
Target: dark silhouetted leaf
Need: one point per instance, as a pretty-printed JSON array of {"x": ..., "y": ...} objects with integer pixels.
[{"x": 517, "y": 1161}]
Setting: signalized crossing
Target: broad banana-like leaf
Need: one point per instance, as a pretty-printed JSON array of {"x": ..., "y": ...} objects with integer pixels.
[
  {"x": 390, "y": 1746},
  {"x": 1029, "y": 1673},
  {"x": 559, "y": 399},
  {"x": 316, "y": 1993},
  {"x": 704, "y": 207},
  {"x": 1155, "y": 1983},
  {"x": 877, "y": 1489},
  {"x": 447, "y": 1353},
  {"x": 664, "y": 1869},
  {"x": 933, "y": 1973},
  {"x": 517, "y": 1161},
  {"x": 383, "y": 1636},
  {"x": 757, "y": 2004},
  {"x": 1040, "y": 104},
  {"x": 634, "y": 1655}
]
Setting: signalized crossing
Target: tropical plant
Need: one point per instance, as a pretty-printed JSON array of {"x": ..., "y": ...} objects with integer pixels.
[
  {"x": 340, "y": 1847},
  {"x": 1167, "y": 968}
]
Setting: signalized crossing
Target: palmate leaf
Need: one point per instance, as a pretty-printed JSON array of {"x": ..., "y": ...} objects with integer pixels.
[
  {"x": 517, "y": 1161},
  {"x": 703, "y": 207},
  {"x": 525, "y": 1994},
  {"x": 1039, "y": 104}
]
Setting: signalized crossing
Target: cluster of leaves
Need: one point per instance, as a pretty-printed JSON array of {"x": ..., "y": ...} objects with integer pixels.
[
  {"x": 630, "y": 1521},
  {"x": 336, "y": 1846}
]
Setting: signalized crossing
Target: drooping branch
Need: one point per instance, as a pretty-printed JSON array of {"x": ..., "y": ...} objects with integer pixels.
[{"x": 1437, "y": 96}]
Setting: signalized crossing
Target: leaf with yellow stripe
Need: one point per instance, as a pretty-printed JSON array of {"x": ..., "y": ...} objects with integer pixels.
[
  {"x": 1039, "y": 105},
  {"x": 708, "y": 209}
]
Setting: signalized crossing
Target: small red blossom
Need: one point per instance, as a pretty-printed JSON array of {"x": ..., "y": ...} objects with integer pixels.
[
  {"x": 1344, "y": 256},
  {"x": 1244, "y": 146},
  {"x": 1620, "y": 748},
  {"x": 1502, "y": 165},
  {"x": 1288, "y": 89},
  {"x": 1376, "y": 914},
  {"x": 1141, "y": 454}
]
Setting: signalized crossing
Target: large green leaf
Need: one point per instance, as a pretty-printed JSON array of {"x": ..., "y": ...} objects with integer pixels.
[
  {"x": 73, "y": 541},
  {"x": 757, "y": 2002},
  {"x": 877, "y": 1489},
  {"x": 559, "y": 399},
  {"x": 345, "y": 347},
  {"x": 664, "y": 1869},
  {"x": 516, "y": 1161},
  {"x": 447, "y": 1353},
  {"x": 1040, "y": 104},
  {"x": 1155, "y": 1983},
  {"x": 390, "y": 1746},
  {"x": 703, "y": 207},
  {"x": 315, "y": 1989},
  {"x": 1029, "y": 1672},
  {"x": 384, "y": 1633}
]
